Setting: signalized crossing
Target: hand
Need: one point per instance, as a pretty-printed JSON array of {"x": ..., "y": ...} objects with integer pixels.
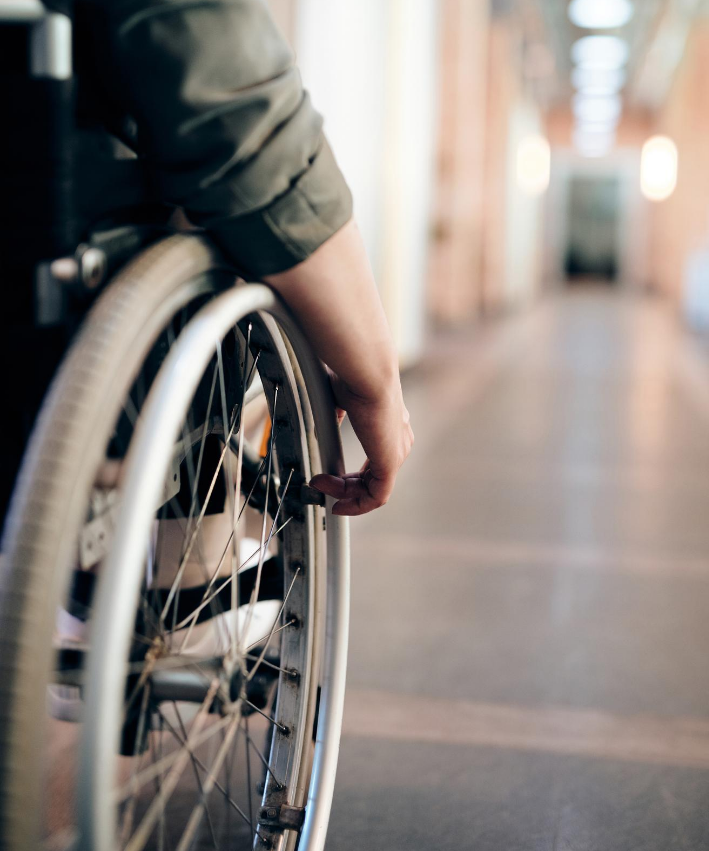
[
  {"x": 382, "y": 427},
  {"x": 335, "y": 299}
]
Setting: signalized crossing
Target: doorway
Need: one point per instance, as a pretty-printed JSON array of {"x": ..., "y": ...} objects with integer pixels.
[{"x": 592, "y": 235}]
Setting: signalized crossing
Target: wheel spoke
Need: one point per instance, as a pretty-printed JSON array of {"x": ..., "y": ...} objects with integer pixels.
[
  {"x": 196, "y": 530},
  {"x": 265, "y": 715},
  {"x": 249, "y": 784},
  {"x": 235, "y": 519},
  {"x": 196, "y": 774},
  {"x": 231, "y": 488},
  {"x": 224, "y": 584},
  {"x": 209, "y": 782},
  {"x": 272, "y": 632},
  {"x": 200, "y": 456},
  {"x": 232, "y": 494},
  {"x": 232, "y": 803},
  {"x": 265, "y": 762},
  {"x": 217, "y": 608},
  {"x": 271, "y": 665},
  {"x": 193, "y": 617},
  {"x": 158, "y": 789},
  {"x": 193, "y": 476},
  {"x": 254, "y": 593},
  {"x": 130, "y": 807},
  {"x": 175, "y": 760}
]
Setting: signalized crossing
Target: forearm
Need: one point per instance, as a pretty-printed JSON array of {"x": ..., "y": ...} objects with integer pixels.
[{"x": 334, "y": 297}]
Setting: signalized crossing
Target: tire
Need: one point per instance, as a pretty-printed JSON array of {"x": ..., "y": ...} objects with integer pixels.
[
  {"x": 49, "y": 511},
  {"x": 50, "y": 497}
]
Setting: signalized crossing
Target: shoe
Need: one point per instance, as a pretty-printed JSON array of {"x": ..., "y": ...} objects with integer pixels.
[{"x": 208, "y": 638}]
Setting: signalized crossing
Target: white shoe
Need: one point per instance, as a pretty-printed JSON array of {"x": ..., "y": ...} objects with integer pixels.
[
  {"x": 64, "y": 703},
  {"x": 206, "y": 640},
  {"x": 212, "y": 637}
]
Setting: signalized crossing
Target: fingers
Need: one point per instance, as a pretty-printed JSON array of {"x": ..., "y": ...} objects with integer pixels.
[
  {"x": 339, "y": 487},
  {"x": 357, "y": 493},
  {"x": 336, "y": 486},
  {"x": 355, "y": 507}
]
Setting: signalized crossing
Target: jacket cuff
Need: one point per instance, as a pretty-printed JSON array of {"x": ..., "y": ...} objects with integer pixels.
[{"x": 287, "y": 231}]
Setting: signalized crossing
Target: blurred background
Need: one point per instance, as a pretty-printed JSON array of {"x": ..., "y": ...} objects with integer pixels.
[
  {"x": 530, "y": 619},
  {"x": 497, "y": 149}
]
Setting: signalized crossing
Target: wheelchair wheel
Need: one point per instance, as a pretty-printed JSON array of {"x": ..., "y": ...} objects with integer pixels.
[{"x": 164, "y": 508}]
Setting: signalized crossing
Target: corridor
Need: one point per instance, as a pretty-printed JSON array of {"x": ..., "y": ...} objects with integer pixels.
[{"x": 530, "y": 614}]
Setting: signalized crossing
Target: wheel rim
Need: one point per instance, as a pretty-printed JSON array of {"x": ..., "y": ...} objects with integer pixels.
[{"x": 150, "y": 457}]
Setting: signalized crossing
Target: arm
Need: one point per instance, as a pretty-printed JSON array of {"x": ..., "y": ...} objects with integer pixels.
[
  {"x": 334, "y": 297},
  {"x": 232, "y": 138},
  {"x": 223, "y": 123}
]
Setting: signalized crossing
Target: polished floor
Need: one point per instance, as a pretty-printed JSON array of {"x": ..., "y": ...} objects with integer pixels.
[{"x": 529, "y": 663}]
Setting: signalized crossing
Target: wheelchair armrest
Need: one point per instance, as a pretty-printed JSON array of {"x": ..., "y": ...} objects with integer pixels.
[
  {"x": 50, "y": 40},
  {"x": 22, "y": 11}
]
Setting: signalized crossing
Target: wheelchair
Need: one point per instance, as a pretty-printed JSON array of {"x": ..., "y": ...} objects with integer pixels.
[{"x": 173, "y": 594}]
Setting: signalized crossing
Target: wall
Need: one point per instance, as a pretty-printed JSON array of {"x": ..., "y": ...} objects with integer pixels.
[
  {"x": 424, "y": 104},
  {"x": 459, "y": 213},
  {"x": 371, "y": 68},
  {"x": 523, "y": 215},
  {"x": 487, "y": 254},
  {"x": 409, "y": 157},
  {"x": 513, "y": 232},
  {"x": 680, "y": 224}
]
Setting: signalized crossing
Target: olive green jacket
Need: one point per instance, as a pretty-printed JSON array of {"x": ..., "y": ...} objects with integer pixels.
[{"x": 224, "y": 123}]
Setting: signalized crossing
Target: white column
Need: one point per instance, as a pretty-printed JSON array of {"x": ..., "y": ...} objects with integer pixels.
[{"x": 370, "y": 66}]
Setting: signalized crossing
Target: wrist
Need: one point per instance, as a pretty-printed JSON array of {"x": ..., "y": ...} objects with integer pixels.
[{"x": 381, "y": 386}]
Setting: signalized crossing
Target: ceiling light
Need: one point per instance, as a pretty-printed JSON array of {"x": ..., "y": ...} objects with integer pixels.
[
  {"x": 658, "y": 168},
  {"x": 598, "y": 92},
  {"x": 600, "y": 14},
  {"x": 600, "y": 52},
  {"x": 533, "y": 165},
  {"x": 585, "y": 79},
  {"x": 597, "y": 109},
  {"x": 596, "y": 129}
]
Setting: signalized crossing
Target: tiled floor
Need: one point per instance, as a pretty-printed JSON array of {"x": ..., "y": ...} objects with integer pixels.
[{"x": 530, "y": 614}]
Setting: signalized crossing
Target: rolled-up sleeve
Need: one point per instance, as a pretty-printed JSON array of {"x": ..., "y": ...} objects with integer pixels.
[{"x": 226, "y": 127}]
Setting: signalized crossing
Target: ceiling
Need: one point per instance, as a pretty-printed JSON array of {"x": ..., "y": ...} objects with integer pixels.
[{"x": 656, "y": 36}]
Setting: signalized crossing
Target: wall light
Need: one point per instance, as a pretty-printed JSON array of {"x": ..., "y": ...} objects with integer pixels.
[
  {"x": 600, "y": 52},
  {"x": 600, "y": 14},
  {"x": 597, "y": 109},
  {"x": 658, "y": 168},
  {"x": 533, "y": 165}
]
